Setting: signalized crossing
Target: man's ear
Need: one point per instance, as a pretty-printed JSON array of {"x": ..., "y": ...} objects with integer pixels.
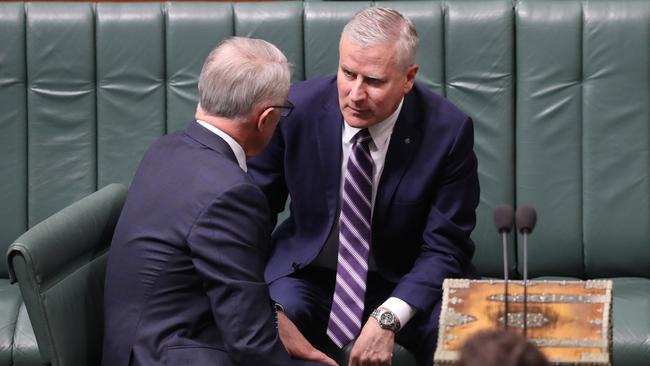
[
  {"x": 410, "y": 77},
  {"x": 263, "y": 119}
]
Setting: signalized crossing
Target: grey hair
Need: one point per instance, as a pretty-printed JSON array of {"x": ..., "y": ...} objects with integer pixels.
[
  {"x": 242, "y": 74},
  {"x": 376, "y": 25}
]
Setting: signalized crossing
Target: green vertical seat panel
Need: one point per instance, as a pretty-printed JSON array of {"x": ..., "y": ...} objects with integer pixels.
[
  {"x": 192, "y": 30},
  {"x": 131, "y": 84},
  {"x": 479, "y": 79},
  {"x": 60, "y": 106}
]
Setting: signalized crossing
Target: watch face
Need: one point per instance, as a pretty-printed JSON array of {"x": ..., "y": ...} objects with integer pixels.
[{"x": 387, "y": 318}]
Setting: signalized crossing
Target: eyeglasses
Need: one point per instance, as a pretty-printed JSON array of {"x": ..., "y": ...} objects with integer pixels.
[{"x": 285, "y": 110}]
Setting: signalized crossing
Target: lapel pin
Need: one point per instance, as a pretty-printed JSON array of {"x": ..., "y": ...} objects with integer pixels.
[{"x": 407, "y": 140}]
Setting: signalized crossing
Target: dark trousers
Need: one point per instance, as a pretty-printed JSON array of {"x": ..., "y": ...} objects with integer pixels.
[{"x": 307, "y": 297}]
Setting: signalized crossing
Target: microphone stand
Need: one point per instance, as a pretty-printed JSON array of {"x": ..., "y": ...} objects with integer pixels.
[
  {"x": 505, "y": 277},
  {"x": 504, "y": 220},
  {"x": 525, "y": 232},
  {"x": 526, "y": 219}
]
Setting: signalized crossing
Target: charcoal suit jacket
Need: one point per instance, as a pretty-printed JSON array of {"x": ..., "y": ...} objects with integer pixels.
[{"x": 184, "y": 283}]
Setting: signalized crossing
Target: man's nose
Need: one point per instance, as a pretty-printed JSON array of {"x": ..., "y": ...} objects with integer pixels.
[{"x": 358, "y": 90}]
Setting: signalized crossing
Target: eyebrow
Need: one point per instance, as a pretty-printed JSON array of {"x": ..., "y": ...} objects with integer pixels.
[{"x": 366, "y": 77}]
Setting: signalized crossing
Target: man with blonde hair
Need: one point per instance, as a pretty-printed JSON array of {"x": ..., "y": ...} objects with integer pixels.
[
  {"x": 184, "y": 283},
  {"x": 383, "y": 184}
]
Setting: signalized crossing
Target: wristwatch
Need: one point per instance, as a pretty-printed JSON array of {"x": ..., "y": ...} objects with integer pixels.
[
  {"x": 387, "y": 319},
  {"x": 278, "y": 307}
]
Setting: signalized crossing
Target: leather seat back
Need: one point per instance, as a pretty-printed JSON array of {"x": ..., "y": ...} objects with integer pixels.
[
  {"x": 583, "y": 135},
  {"x": 91, "y": 85},
  {"x": 60, "y": 265}
]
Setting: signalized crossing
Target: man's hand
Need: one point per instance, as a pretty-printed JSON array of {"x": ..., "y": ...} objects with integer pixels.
[
  {"x": 374, "y": 347},
  {"x": 297, "y": 345}
]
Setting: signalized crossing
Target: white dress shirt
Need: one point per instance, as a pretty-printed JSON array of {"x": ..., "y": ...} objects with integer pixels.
[
  {"x": 234, "y": 146},
  {"x": 381, "y": 134}
]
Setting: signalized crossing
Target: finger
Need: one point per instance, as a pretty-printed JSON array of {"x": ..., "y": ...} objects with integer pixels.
[
  {"x": 369, "y": 361},
  {"x": 354, "y": 359},
  {"x": 380, "y": 361},
  {"x": 316, "y": 355},
  {"x": 363, "y": 359},
  {"x": 326, "y": 359}
]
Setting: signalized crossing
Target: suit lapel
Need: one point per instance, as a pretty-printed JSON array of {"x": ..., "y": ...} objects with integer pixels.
[
  {"x": 210, "y": 139},
  {"x": 328, "y": 138},
  {"x": 404, "y": 142}
]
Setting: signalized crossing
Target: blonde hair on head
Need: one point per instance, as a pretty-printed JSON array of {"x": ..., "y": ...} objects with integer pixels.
[{"x": 378, "y": 25}]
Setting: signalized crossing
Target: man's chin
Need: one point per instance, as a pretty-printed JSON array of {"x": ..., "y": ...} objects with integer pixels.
[{"x": 359, "y": 120}]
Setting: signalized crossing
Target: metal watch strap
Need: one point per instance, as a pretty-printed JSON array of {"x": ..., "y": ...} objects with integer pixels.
[
  {"x": 278, "y": 307},
  {"x": 387, "y": 319}
]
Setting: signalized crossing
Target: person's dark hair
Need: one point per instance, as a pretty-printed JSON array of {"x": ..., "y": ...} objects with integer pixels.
[{"x": 500, "y": 347}]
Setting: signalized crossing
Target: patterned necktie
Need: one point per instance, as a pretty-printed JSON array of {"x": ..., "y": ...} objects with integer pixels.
[{"x": 354, "y": 244}]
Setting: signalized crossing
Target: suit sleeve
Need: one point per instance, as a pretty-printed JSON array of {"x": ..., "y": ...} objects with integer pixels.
[
  {"x": 229, "y": 244},
  {"x": 267, "y": 170},
  {"x": 446, "y": 249}
]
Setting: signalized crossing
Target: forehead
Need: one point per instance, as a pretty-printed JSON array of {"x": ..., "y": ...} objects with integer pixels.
[{"x": 380, "y": 58}]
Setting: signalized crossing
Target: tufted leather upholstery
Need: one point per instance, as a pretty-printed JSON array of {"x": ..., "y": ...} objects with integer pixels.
[
  {"x": 60, "y": 265},
  {"x": 559, "y": 92}
]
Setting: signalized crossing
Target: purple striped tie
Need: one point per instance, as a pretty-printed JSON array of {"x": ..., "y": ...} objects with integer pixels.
[{"x": 354, "y": 244}]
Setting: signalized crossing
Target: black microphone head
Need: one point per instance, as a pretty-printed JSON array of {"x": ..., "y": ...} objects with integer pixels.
[
  {"x": 504, "y": 218},
  {"x": 526, "y": 219}
]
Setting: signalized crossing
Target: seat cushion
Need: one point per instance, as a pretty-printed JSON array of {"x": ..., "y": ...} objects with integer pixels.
[
  {"x": 631, "y": 313},
  {"x": 17, "y": 342}
]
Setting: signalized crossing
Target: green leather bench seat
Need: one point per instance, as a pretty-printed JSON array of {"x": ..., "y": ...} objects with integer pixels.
[
  {"x": 582, "y": 151},
  {"x": 17, "y": 341},
  {"x": 559, "y": 91},
  {"x": 60, "y": 265}
]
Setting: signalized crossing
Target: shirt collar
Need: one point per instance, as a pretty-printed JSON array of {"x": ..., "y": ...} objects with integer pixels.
[
  {"x": 236, "y": 148},
  {"x": 380, "y": 132}
]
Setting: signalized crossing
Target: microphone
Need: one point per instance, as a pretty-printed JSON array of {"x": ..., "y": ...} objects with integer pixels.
[
  {"x": 526, "y": 218},
  {"x": 504, "y": 218}
]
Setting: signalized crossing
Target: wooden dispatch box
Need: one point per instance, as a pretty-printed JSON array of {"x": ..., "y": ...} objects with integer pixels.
[{"x": 570, "y": 321}]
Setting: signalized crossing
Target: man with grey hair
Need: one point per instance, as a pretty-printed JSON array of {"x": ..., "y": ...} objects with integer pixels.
[
  {"x": 184, "y": 283},
  {"x": 384, "y": 187}
]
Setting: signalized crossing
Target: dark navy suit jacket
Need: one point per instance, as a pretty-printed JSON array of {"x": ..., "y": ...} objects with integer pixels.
[
  {"x": 427, "y": 195},
  {"x": 184, "y": 284}
]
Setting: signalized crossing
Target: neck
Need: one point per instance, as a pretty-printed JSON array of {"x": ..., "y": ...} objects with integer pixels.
[{"x": 238, "y": 130}]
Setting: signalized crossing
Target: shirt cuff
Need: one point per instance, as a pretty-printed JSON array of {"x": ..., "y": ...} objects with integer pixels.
[{"x": 402, "y": 310}]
